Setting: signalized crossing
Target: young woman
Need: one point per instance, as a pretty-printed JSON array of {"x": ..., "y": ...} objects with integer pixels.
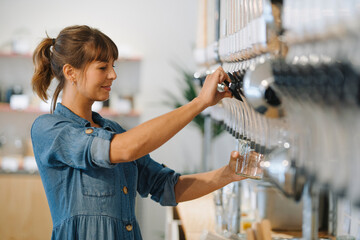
[{"x": 91, "y": 167}]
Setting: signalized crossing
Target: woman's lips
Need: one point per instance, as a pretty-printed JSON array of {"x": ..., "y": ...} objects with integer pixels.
[{"x": 108, "y": 88}]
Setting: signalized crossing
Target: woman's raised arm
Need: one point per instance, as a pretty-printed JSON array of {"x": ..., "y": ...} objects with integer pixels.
[{"x": 150, "y": 135}]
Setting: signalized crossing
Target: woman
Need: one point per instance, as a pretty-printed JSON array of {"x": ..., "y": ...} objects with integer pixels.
[{"x": 91, "y": 167}]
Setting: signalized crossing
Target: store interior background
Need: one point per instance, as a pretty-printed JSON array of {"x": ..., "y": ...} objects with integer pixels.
[{"x": 162, "y": 32}]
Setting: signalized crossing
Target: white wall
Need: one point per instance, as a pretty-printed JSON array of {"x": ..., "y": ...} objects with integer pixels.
[{"x": 162, "y": 31}]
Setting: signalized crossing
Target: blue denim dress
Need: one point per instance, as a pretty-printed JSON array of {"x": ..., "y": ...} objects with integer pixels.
[{"x": 89, "y": 197}]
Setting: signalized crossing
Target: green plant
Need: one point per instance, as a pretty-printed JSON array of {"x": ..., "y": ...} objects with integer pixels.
[{"x": 189, "y": 90}]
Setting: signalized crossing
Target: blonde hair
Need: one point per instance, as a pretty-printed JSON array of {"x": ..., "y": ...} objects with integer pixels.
[{"x": 75, "y": 45}]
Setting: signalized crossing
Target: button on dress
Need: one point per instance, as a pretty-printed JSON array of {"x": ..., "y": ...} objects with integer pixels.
[{"x": 89, "y": 197}]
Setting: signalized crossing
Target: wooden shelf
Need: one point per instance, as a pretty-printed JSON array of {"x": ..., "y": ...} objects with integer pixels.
[
  {"x": 5, "y": 107},
  {"x": 106, "y": 112},
  {"x": 129, "y": 59},
  {"x": 15, "y": 55}
]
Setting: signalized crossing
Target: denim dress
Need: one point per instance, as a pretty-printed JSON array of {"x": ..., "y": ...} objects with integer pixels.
[{"x": 89, "y": 197}]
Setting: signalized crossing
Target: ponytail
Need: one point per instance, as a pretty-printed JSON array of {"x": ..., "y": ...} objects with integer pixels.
[{"x": 43, "y": 73}]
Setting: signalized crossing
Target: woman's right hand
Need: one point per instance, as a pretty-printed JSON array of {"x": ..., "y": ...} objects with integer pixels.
[{"x": 209, "y": 94}]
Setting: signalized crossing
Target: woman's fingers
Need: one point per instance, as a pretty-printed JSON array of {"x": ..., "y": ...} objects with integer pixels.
[
  {"x": 226, "y": 94},
  {"x": 236, "y": 158},
  {"x": 234, "y": 155},
  {"x": 209, "y": 92},
  {"x": 221, "y": 75}
]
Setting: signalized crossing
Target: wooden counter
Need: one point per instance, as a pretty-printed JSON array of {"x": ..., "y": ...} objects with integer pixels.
[{"x": 24, "y": 211}]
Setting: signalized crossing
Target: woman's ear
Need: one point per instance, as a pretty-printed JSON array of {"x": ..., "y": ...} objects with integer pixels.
[{"x": 70, "y": 73}]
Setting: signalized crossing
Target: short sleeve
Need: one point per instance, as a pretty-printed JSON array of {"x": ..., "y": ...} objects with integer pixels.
[
  {"x": 57, "y": 142},
  {"x": 157, "y": 180}
]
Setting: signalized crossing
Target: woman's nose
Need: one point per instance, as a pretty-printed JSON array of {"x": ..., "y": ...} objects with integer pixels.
[{"x": 112, "y": 74}]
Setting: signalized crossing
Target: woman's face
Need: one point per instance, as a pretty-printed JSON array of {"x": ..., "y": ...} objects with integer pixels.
[{"x": 97, "y": 80}]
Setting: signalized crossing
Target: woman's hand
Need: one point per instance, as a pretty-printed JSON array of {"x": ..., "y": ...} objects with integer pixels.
[
  {"x": 209, "y": 94},
  {"x": 232, "y": 166},
  {"x": 196, "y": 185}
]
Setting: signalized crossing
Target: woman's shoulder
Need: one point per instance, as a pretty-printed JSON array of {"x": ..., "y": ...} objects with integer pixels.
[
  {"x": 46, "y": 122},
  {"x": 49, "y": 119}
]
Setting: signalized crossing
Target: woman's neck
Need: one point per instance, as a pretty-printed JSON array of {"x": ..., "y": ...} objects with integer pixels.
[
  {"x": 78, "y": 104},
  {"x": 81, "y": 109}
]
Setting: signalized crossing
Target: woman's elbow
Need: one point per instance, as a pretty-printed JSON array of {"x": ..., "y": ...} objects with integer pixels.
[
  {"x": 123, "y": 155},
  {"x": 123, "y": 149}
]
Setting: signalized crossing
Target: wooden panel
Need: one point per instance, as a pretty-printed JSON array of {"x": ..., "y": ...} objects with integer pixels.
[
  {"x": 197, "y": 215},
  {"x": 24, "y": 209}
]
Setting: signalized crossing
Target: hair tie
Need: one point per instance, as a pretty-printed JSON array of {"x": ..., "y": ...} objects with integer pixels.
[{"x": 53, "y": 41}]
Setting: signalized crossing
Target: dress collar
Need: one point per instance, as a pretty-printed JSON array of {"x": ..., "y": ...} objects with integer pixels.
[{"x": 64, "y": 111}]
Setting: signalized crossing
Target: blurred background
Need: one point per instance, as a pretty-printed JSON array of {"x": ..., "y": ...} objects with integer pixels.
[{"x": 294, "y": 117}]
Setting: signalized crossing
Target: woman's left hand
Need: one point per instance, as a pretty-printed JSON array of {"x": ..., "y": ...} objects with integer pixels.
[{"x": 232, "y": 166}]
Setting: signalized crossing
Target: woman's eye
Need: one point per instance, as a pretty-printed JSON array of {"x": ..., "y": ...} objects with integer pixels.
[{"x": 103, "y": 68}]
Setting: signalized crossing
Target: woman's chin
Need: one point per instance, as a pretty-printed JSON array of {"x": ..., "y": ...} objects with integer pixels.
[{"x": 103, "y": 98}]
